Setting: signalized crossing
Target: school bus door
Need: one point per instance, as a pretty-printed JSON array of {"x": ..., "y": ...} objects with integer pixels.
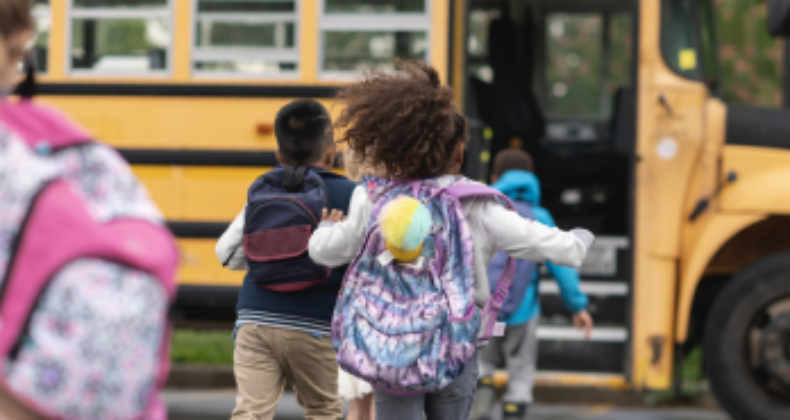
[{"x": 557, "y": 79}]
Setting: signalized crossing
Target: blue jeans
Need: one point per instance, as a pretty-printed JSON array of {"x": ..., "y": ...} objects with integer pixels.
[{"x": 454, "y": 402}]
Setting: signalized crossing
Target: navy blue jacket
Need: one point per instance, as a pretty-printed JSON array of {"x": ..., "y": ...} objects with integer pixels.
[{"x": 317, "y": 302}]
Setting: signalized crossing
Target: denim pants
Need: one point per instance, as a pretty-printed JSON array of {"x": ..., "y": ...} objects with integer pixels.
[{"x": 454, "y": 402}]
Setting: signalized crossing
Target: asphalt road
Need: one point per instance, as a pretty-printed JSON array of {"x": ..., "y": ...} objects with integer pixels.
[{"x": 217, "y": 405}]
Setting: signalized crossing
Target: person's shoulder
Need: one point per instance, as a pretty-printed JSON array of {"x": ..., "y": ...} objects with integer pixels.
[
  {"x": 338, "y": 182},
  {"x": 340, "y": 189}
]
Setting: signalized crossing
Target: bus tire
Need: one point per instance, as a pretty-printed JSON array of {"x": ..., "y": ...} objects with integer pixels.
[{"x": 745, "y": 388}]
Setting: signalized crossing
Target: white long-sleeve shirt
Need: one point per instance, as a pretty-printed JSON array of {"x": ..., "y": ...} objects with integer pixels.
[
  {"x": 494, "y": 228},
  {"x": 229, "y": 247}
]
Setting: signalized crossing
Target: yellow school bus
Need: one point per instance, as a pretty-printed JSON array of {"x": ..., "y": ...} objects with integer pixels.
[{"x": 616, "y": 99}]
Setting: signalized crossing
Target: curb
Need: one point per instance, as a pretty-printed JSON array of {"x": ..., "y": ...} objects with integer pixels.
[
  {"x": 193, "y": 376},
  {"x": 208, "y": 377}
]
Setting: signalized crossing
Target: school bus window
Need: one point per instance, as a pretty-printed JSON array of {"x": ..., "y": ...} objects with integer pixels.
[
  {"x": 709, "y": 44},
  {"x": 120, "y": 36},
  {"x": 621, "y": 51},
  {"x": 40, "y": 50},
  {"x": 359, "y": 51},
  {"x": 677, "y": 37},
  {"x": 119, "y": 4},
  {"x": 362, "y": 6},
  {"x": 360, "y": 35},
  {"x": 246, "y": 37},
  {"x": 573, "y": 65}
]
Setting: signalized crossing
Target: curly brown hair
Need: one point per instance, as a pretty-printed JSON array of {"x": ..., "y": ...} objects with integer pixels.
[{"x": 404, "y": 122}]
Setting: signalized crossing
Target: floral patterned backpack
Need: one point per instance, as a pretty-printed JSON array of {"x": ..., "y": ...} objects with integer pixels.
[{"x": 86, "y": 274}]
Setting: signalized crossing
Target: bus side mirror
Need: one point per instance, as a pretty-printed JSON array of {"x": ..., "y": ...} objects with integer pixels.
[{"x": 779, "y": 17}]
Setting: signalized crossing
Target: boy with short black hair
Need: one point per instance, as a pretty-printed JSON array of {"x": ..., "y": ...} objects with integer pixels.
[
  {"x": 303, "y": 130},
  {"x": 286, "y": 335},
  {"x": 512, "y": 174}
]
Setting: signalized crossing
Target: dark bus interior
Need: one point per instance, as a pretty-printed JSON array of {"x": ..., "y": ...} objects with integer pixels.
[{"x": 556, "y": 78}]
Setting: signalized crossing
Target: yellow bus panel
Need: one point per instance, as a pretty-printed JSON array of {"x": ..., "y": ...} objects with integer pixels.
[
  {"x": 177, "y": 122},
  {"x": 198, "y": 193},
  {"x": 200, "y": 267}
]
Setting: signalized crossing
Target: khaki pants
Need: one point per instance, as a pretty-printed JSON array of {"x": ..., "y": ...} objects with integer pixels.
[{"x": 266, "y": 357}]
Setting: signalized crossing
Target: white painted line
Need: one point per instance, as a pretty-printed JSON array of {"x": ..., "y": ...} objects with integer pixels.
[
  {"x": 241, "y": 54},
  {"x": 550, "y": 287},
  {"x": 152, "y": 13},
  {"x": 600, "y": 334},
  {"x": 399, "y": 22},
  {"x": 613, "y": 241},
  {"x": 248, "y": 17}
]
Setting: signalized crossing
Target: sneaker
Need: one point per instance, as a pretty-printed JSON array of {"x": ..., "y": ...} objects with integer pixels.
[{"x": 514, "y": 411}]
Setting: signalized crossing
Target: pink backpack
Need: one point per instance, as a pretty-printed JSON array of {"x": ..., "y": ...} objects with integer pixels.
[{"x": 86, "y": 274}]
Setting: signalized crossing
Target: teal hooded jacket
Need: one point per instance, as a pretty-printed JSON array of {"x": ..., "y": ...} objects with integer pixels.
[{"x": 524, "y": 186}]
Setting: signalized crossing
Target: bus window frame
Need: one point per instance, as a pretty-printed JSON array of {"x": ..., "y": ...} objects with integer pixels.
[
  {"x": 542, "y": 89},
  {"x": 370, "y": 22},
  {"x": 714, "y": 85},
  {"x": 273, "y": 54},
  {"x": 42, "y": 12},
  {"x": 702, "y": 71},
  {"x": 167, "y": 14}
]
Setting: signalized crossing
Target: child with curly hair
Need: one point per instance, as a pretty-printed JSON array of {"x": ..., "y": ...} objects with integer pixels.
[{"x": 429, "y": 272}]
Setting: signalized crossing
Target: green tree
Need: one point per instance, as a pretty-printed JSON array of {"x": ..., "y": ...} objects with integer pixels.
[{"x": 751, "y": 60}]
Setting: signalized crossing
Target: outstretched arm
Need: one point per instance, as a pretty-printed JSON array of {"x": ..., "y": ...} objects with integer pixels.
[
  {"x": 570, "y": 284},
  {"x": 532, "y": 240}
]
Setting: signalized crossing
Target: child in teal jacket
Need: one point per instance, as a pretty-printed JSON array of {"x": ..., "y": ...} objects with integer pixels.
[{"x": 518, "y": 348}]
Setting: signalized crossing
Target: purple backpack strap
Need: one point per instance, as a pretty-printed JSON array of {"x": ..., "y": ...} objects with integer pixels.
[{"x": 491, "y": 310}]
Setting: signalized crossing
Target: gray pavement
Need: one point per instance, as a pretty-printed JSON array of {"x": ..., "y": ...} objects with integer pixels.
[{"x": 217, "y": 405}]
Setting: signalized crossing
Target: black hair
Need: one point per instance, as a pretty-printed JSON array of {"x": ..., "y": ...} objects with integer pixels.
[
  {"x": 303, "y": 131},
  {"x": 510, "y": 159}
]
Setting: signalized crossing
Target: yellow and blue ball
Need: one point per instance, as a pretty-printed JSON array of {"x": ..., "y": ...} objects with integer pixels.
[{"x": 405, "y": 224}]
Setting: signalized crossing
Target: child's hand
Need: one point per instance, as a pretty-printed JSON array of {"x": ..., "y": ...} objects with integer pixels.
[
  {"x": 333, "y": 217},
  {"x": 583, "y": 321}
]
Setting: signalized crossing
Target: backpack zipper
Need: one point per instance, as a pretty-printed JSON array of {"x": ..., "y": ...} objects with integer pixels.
[{"x": 298, "y": 203}]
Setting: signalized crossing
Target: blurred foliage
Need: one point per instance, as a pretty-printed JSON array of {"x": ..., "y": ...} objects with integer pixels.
[
  {"x": 575, "y": 63},
  {"x": 622, "y": 46},
  {"x": 573, "y": 66},
  {"x": 751, "y": 60},
  {"x": 208, "y": 347},
  {"x": 693, "y": 377}
]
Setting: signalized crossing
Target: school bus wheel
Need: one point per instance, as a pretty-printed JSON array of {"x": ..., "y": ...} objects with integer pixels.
[{"x": 747, "y": 342}]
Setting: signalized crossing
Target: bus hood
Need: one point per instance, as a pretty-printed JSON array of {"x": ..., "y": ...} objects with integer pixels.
[{"x": 762, "y": 127}]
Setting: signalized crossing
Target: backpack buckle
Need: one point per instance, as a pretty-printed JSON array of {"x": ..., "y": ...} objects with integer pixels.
[{"x": 500, "y": 295}]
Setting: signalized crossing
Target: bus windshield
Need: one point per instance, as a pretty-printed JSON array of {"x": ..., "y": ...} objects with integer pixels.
[
  {"x": 588, "y": 57},
  {"x": 688, "y": 40}
]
